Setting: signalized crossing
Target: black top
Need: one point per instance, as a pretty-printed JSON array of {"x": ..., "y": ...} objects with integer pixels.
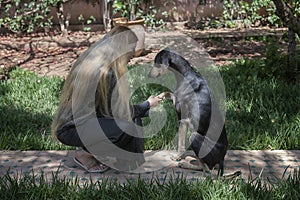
[{"x": 137, "y": 111}]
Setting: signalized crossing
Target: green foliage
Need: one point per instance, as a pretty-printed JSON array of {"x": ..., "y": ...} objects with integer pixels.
[
  {"x": 22, "y": 17},
  {"x": 84, "y": 22},
  {"x": 254, "y": 13},
  {"x": 249, "y": 14},
  {"x": 150, "y": 18},
  {"x": 131, "y": 9},
  {"x": 31, "y": 16},
  {"x": 295, "y": 5},
  {"x": 168, "y": 13},
  {"x": 134, "y": 9}
]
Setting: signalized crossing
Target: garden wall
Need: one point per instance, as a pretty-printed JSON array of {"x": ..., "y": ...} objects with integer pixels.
[{"x": 185, "y": 10}]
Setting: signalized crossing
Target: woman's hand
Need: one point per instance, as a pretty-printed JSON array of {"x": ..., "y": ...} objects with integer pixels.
[{"x": 154, "y": 101}]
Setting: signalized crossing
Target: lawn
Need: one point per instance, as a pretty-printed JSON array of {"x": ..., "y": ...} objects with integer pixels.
[
  {"x": 263, "y": 112},
  {"x": 37, "y": 187}
]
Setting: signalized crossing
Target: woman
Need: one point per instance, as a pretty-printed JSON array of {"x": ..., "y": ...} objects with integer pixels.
[{"x": 103, "y": 65}]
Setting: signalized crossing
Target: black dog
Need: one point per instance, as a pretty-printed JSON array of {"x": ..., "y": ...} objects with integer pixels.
[{"x": 193, "y": 103}]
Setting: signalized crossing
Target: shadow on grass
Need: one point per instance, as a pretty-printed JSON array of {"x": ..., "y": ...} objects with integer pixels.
[
  {"x": 262, "y": 109},
  {"x": 27, "y": 105},
  {"x": 21, "y": 129}
]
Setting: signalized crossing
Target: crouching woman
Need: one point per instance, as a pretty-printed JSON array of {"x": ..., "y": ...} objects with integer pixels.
[{"x": 94, "y": 113}]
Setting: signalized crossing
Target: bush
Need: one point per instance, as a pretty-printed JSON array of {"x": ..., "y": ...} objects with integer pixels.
[
  {"x": 256, "y": 13},
  {"x": 20, "y": 17}
]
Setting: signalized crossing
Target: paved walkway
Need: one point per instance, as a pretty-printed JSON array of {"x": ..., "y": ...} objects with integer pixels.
[{"x": 272, "y": 164}]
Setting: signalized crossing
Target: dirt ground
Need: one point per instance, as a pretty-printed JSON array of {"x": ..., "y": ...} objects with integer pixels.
[{"x": 54, "y": 55}]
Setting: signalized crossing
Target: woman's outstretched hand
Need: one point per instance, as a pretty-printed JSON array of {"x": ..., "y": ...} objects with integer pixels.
[{"x": 154, "y": 101}]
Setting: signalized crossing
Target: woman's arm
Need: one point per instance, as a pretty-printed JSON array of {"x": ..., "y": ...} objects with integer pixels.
[{"x": 142, "y": 109}]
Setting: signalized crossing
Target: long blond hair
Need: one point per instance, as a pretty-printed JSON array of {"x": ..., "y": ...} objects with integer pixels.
[{"x": 110, "y": 53}]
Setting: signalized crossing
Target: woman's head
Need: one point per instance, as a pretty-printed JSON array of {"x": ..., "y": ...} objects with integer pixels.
[
  {"x": 120, "y": 35},
  {"x": 119, "y": 103},
  {"x": 87, "y": 84}
]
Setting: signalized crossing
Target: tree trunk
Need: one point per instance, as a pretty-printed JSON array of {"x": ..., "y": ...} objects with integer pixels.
[
  {"x": 69, "y": 13},
  {"x": 61, "y": 18},
  {"x": 291, "y": 68},
  {"x": 107, "y": 14},
  {"x": 64, "y": 21},
  {"x": 285, "y": 13}
]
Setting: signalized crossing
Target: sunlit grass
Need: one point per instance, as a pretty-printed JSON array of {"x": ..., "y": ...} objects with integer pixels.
[
  {"x": 263, "y": 112},
  {"x": 27, "y": 105}
]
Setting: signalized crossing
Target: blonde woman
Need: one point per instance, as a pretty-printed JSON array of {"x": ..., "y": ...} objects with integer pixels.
[{"x": 102, "y": 65}]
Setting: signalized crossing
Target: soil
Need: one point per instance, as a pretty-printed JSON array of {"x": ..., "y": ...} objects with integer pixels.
[
  {"x": 53, "y": 55},
  {"x": 45, "y": 55}
]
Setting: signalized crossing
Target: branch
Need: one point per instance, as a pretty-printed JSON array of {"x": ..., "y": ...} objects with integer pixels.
[
  {"x": 30, "y": 12},
  {"x": 285, "y": 13}
]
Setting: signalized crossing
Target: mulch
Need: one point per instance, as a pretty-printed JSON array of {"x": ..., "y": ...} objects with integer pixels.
[{"x": 53, "y": 55}]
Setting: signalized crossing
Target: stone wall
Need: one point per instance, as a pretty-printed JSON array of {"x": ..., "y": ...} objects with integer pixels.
[{"x": 185, "y": 10}]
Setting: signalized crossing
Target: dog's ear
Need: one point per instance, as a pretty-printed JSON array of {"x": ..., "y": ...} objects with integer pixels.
[{"x": 165, "y": 58}]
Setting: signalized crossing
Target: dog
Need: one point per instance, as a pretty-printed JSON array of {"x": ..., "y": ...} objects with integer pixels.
[{"x": 193, "y": 103}]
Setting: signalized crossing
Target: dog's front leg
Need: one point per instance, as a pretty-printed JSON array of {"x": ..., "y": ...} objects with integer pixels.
[
  {"x": 181, "y": 141},
  {"x": 181, "y": 137}
]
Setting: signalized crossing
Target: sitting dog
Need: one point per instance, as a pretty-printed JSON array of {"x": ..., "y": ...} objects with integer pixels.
[{"x": 193, "y": 103}]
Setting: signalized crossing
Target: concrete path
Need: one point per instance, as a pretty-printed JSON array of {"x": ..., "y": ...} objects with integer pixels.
[{"x": 271, "y": 164}]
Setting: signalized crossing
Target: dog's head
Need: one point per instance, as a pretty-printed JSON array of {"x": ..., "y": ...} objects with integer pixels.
[{"x": 161, "y": 64}]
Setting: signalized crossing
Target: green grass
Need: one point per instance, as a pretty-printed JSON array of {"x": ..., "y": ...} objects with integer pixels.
[
  {"x": 31, "y": 186},
  {"x": 263, "y": 112},
  {"x": 27, "y": 105}
]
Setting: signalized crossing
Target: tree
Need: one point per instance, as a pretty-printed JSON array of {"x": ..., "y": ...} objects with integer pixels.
[
  {"x": 64, "y": 21},
  {"x": 289, "y": 13}
]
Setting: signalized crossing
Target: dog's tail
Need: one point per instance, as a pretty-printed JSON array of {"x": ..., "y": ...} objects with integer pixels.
[{"x": 221, "y": 168}]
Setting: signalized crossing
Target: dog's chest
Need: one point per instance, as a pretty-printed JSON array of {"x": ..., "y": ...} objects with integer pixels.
[
  {"x": 187, "y": 91},
  {"x": 192, "y": 96}
]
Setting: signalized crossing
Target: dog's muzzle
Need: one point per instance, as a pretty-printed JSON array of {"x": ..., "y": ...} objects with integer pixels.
[
  {"x": 154, "y": 72},
  {"x": 157, "y": 70}
]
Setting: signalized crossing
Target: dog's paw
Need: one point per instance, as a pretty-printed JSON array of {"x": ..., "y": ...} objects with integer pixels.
[
  {"x": 193, "y": 165},
  {"x": 179, "y": 156},
  {"x": 176, "y": 157},
  {"x": 182, "y": 155}
]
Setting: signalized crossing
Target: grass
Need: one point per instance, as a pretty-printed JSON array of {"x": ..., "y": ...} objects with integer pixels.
[
  {"x": 263, "y": 112},
  {"x": 27, "y": 105},
  {"x": 31, "y": 186}
]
